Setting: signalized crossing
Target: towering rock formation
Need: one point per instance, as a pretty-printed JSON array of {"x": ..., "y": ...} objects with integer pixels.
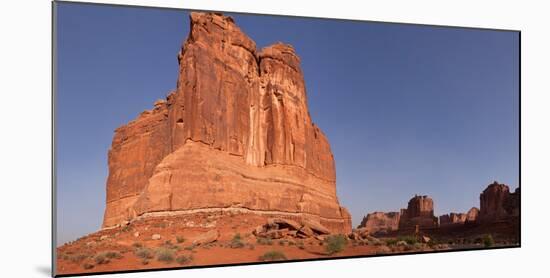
[
  {"x": 497, "y": 203},
  {"x": 419, "y": 211},
  {"x": 381, "y": 221},
  {"x": 236, "y": 134}
]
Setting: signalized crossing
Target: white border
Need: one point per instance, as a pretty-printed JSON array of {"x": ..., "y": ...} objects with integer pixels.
[{"x": 25, "y": 136}]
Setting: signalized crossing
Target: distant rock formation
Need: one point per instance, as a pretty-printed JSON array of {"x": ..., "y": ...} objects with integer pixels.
[
  {"x": 497, "y": 203},
  {"x": 236, "y": 134},
  {"x": 472, "y": 215},
  {"x": 452, "y": 218},
  {"x": 420, "y": 211},
  {"x": 381, "y": 221}
]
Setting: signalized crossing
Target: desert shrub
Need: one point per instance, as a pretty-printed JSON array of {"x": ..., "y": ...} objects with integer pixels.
[
  {"x": 335, "y": 243},
  {"x": 144, "y": 253},
  {"x": 488, "y": 240},
  {"x": 273, "y": 256},
  {"x": 391, "y": 241},
  {"x": 165, "y": 254},
  {"x": 300, "y": 244},
  {"x": 183, "y": 259},
  {"x": 101, "y": 258},
  {"x": 77, "y": 258},
  {"x": 264, "y": 241},
  {"x": 125, "y": 229},
  {"x": 137, "y": 245},
  {"x": 190, "y": 247},
  {"x": 112, "y": 254},
  {"x": 236, "y": 241},
  {"x": 180, "y": 239},
  {"x": 282, "y": 242},
  {"x": 408, "y": 239},
  {"x": 88, "y": 266},
  {"x": 145, "y": 262}
]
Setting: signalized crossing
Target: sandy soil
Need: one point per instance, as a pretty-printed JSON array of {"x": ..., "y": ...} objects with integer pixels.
[{"x": 177, "y": 233}]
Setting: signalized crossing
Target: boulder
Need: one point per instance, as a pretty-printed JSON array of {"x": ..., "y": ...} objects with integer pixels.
[
  {"x": 206, "y": 238},
  {"x": 155, "y": 237},
  {"x": 284, "y": 223},
  {"x": 315, "y": 226}
]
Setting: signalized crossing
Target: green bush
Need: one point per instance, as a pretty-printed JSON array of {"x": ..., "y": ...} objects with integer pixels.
[
  {"x": 101, "y": 258},
  {"x": 183, "y": 259},
  {"x": 335, "y": 243},
  {"x": 391, "y": 241},
  {"x": 236, "y": 241},
  {"x": 264, "y": 241},
  {"x": 112, "y": 254},
  {"x": 488, "y": 240},
  {"x": 273, "y": 256},
  {"x": 411, "y": 240},
  {"x": 144, "y": 253},
  {"x": 165, "y": 254},
  {"x": 190, "y": 247}
]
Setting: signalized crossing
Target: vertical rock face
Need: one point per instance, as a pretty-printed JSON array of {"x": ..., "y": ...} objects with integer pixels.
[
  {"x": 381, "y": 221},
  {"x": 497, "y": 203},
  {"x": 420, "y": 211},
  {"x": 452, "y": 218},
  {"x": 235, "y": 134}
]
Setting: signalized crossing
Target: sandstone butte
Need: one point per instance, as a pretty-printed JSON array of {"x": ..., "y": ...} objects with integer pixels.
[
  {"x": 235, "y": 135},
  {"x": 497, "y": 204}
]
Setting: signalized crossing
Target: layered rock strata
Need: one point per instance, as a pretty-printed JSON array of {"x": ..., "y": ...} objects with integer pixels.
[
  {"x": 236, "y": 134},
  {"x": 381, "y": 221}
]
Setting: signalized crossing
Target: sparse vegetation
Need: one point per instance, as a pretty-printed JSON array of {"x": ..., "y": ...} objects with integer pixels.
[
  {"x": 273, "y": 256},
  {"x": 101, "y": 258},
  {"x": 408, "y": 239},
  {"x": 190, "y": 247},
  {"x": 88, "y": 266},
  {"x": 264, "y": 241},
  {"x": 112, "y": 254},
  {"x": 144, "y": 253},
  {"x": 236, "y": 241},
  {"x": 488, "y": 240},
  {"x": 391, "y": 241},
  {"x": 165, "y": 254},
  {"x": 137, "y": 245},
  {"x": 184, "y": 259},
  {"x": 180, "y": 239},
  {"x": 335, "y": 243},
  {"x": 77, "y": 258}
]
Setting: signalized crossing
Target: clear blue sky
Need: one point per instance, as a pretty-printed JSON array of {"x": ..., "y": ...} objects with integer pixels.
[{"x": 407, "y": 109}]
